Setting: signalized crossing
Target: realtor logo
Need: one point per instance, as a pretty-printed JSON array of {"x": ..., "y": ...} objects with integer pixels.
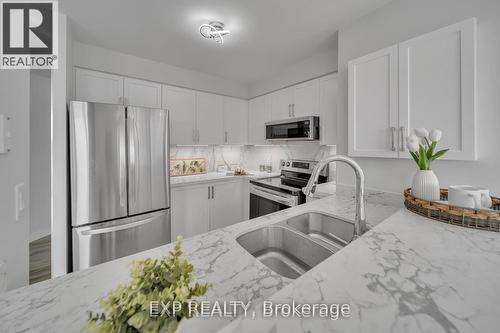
[{"x": 28, "y": 34}]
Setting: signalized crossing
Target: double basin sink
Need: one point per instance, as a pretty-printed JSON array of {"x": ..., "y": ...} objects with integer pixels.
[{"x": 297, "y": 244}]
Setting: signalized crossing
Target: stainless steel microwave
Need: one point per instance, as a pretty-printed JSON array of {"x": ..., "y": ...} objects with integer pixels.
[{"x": 303, "y": 128}]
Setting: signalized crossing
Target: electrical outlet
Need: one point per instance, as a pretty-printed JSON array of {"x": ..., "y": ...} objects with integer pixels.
[{"x": 20, "y": 200}]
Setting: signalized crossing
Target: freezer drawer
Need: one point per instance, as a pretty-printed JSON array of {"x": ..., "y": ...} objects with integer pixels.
[
  {"x": 106, "y": 241},
  {"x": 98, "y": 160},
  {"x": 148, "y": 156}
]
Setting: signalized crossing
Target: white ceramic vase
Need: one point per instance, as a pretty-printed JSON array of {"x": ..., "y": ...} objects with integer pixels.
[{"x": 425, "y": 185}]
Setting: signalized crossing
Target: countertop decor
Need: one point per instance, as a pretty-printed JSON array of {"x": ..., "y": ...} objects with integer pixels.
[
  {"x": 188, "y": 166},
  {"x": 422, "y": 147},
  {"x": 485, "y": 219},
  {"x": 168, "y": 280}
]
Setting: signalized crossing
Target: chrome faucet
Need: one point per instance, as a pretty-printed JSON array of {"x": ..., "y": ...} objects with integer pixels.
[{"x": 360, "y": 218}]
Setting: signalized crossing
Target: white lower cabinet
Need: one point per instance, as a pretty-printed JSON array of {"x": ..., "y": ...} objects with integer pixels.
[
  {"x": 226, "y": 207},
  {"x": 197, "y": 209},
  {"x": 190, "y": 211}
]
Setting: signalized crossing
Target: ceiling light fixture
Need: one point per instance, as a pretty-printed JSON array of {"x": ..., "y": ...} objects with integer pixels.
[{"x": 214, "y": 30}]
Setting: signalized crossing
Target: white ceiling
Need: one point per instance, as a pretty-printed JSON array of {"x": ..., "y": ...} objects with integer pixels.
[{"x": 267, "y": 36}]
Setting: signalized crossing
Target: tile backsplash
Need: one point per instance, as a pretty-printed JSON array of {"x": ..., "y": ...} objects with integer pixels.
[{"x": 250, "y": 157}]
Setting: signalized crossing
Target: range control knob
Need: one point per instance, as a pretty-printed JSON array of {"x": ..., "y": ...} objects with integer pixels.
[
  {"x": 282, "y": 163},
  {"x": 287, "y": 164}
]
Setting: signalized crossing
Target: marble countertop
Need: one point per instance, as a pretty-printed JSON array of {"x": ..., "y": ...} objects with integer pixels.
[
  {"x": 407, "y": 274},
  {"x": 209, "y": 177}
]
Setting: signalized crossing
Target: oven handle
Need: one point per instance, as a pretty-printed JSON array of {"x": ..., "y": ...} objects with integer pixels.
[{"x": 274, "y": 196}]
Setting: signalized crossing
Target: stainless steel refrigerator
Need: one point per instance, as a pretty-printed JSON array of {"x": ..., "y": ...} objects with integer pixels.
[{"x": 120, "y": 190}]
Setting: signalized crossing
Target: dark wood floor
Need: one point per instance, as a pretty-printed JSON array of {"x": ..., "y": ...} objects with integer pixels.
[{"x": 40, "y": 260}]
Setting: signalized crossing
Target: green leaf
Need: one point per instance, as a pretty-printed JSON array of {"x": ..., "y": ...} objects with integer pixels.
[
  {"x": 439, "y": 154},
  {"x": 430, "y": 151}
]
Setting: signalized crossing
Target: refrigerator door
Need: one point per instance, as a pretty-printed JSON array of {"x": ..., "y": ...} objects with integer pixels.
[
  {"x": 97, "y": 162},
  {"x": 106, "y": 241},
  {"x": 148, "y": 160}
]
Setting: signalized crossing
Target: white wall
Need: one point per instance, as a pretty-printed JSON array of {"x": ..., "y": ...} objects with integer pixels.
[
  {"x": 40, "y": 147},
  {"x": 98, "y": 58},
  {"x": 401, "y": 20},
  {"x": 14, "y": 169},
  {"x": 322, "y": 63}
]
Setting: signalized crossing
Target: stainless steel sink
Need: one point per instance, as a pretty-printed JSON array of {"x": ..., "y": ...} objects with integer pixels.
[
  {"x": 285, "y": 251},
  {"x": 327, "y": 229}
]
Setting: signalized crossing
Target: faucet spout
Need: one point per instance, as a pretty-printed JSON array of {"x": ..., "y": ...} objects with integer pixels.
[{"x": 360, "y": 217}]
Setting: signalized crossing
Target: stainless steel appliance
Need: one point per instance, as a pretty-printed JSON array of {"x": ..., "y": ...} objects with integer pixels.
[
  {"x": 273, "y": 194},
  {"x": 304, "y": 128},
  {"x": 120, "y": 192}
]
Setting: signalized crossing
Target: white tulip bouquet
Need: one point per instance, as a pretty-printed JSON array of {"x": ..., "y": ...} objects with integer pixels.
[{"x": 422, "y": 145}]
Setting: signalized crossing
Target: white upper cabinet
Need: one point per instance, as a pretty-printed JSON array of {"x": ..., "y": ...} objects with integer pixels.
[
  {"x": 328, "y": 98},
  {"x": 142, "y": 93},
  {"x": 210, "y": 124},
  {"x": 235, "y": 120},
  {"x": 306, "y": 99},
  {"x": 373, "y": 104},
  {"x": 182, "y": 106},
  {"x": 258, "y": 114},
  {"x": 436, "y": 87},
  {"x": 297, "y": 101},
  {"x": 428, "y": 81},
  {"x": 281, "y": 104},
  {"x": 92, "y": 86}
]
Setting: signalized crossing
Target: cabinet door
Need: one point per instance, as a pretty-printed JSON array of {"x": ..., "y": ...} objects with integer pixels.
[
  {"x": 373, "y": 104},
  {"x": 142, "y": 93},
  {"x": 235, "y": 120},
  {"x": 92, "y": 86},
  {"x": 182, "y": 106},
  {"x": 328, "y": 109},
  {"x": 209, "y": 118},
  {"x": 258, "y": 114},
  {"x": 190, "y": 211},
  {"x": 437, "y": 85},
  {"x": 227, "y": 205},
  {"x": 306, "y": 99},
  {"x": 281, "y": 104}
]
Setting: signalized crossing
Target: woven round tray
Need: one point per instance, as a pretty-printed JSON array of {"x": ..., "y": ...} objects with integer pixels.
[{"x": 484, "y": 219}]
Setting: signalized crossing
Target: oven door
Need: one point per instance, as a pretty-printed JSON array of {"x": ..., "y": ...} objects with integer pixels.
[{"x": 264, "y": 201}]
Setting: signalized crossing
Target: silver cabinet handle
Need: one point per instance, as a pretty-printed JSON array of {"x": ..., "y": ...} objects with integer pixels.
[
  {"x": 402, "y": 133},
  {"x": 393, "y": 139},
  {"x": 213, "y": 192},
  {"x": 208, "y": 192}
]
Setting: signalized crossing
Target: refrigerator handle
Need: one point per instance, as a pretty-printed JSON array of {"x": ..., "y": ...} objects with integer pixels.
[
  {"x": 123, "y": 169},
  {"x": 133, "y": 151},
  {"x": 117, "y": 227}
]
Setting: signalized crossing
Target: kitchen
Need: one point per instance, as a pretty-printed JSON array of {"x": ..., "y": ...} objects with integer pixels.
[{"x": 243, "y": 143}]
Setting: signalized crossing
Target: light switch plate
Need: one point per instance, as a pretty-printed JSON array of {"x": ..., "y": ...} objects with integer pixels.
[
  {"x": 20, "y": 199},
  {"x": 4, "y": 134}
]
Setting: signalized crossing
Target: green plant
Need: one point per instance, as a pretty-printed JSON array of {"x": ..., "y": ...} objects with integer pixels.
[
  {"x": 422, "y": 145},
  {"x": 168, "y": 279}
]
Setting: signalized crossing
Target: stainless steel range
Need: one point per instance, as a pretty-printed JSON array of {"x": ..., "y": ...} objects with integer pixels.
[{"x": 273, "y": 194}]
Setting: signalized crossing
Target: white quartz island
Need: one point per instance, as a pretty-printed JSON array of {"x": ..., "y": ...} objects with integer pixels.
[{"x": 407, "y": 274}]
